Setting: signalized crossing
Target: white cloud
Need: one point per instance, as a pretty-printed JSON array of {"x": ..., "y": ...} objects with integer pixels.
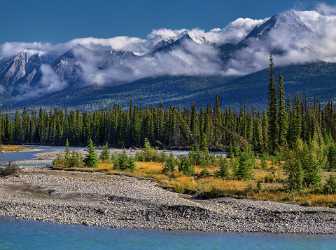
[
  {"x": 301, "y": 36},
  {"x": 125, "y": 43},
  {"x": 326, "y": 9}
]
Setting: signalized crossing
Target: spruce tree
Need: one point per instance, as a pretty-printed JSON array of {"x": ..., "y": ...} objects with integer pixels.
[
  {"x": 67, "y": 150},
  {"x": 105, "y": 154},
  {"x": 91, "y": 160},
  {"x": 294, "y": 171},
  {"x": 246, "y": 162},
  {"x": 331, "y": 155},
  {"x": 330, "y": 186},
  {"x": 224, "y": 168},
  {"x": 272, "y": 110},
  {"x": 283, "y": 119}
]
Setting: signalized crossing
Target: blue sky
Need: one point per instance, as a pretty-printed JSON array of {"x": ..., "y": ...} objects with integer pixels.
[{"x": 62, "y": 20}]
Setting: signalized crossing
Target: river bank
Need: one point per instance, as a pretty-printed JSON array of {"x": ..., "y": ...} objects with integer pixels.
[{"x": 130, "y": 203}]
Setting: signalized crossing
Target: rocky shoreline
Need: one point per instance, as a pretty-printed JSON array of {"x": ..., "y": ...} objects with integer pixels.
[{"x": 130, "y": 203}]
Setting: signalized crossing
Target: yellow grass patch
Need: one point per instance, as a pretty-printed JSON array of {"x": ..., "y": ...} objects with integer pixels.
[
  {"x": 317, "y": 200},
  {"x": 226, "y": 186},
  {"x": 105, "y": 166},
  {"x": 12, "y": 148},
  {"x": 149, "y": 168}
]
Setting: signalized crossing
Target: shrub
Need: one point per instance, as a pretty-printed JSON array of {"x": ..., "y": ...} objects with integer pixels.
[
  {"x": 186, "y": 167},
  {"x": 105, "y": 154},
  {"x": 59, "y": 162},
  {"x": 75, "y": 160},
  {"x": 224, "y": 168},
  {"x": 330, "y": 186},
  {"x": 331, "y": 157},
  {"x": 68, "y": 160},
  {"x": 169, "y": 165},
  {"x": 11, "y": 169},
  {"x": 150, "y": 154},
  {"x": 204, "y": 172},
  {"x": 263, "y": 163},
  {"x": 123, "y": 162}
]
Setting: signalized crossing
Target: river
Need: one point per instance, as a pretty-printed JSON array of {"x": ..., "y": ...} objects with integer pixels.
[
  {"x": 23, "y": 235},
  {"x": 41, "y": 156}
]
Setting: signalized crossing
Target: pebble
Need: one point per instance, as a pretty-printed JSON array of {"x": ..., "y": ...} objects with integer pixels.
[{"x": 130, "y": 203}]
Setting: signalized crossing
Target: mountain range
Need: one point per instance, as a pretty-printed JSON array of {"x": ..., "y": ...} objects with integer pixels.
[{"x": 175, "y": 66}]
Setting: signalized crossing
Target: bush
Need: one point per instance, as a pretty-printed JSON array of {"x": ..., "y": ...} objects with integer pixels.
[
  {"x": 59, "y": 162},
  {"x": 331, "y": 157},
  {"x": 68, "y": 160},
  {"x": 150, "y": 154},
  {"x": 263, "y": 163},
  {"x": 224, "y": 168},
  {"x": 123, "y": 162},
  {"x": 169, "y": 165},
  {"x": 75, "y": 160},
  {"x": 204, "y": 172},
  {"x": 11, "y": 169},
  {"x": 105, "y": 154},
  {"x": 200, "y": 157},
  {"x": 186, "y": 167},
  {"x": 330, "y": 186}
]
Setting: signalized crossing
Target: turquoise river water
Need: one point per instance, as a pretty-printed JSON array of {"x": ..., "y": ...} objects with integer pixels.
[{"x": 23, "y": 235}]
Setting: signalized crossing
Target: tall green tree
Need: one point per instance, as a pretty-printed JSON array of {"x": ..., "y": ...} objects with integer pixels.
[
  {"x": 283, "y": 118},
  {"x": 91, "y": 160},
  {"x": 105, "y": 154},
  {"x": 272, "y": 110}
]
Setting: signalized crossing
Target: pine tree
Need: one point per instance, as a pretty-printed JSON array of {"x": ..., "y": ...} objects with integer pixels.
[
  {"x": 246, "y": 163},
  {"x": 330, "y": 186},
  {"x": 186, "y": 167},
  {"x": 314, "y": 162},
  {"x": 331, "y": 156},
  {"x": 283, "y": 119},
  {"x": 67, "y": 154},
  {"x": 67, "y": 149},
  {"x": 105, "y": 154},
  {"x": 224, "y": 168},
  {"x": 272, "y": 111},
  {"x": 295, "y": 172},
  {"x": 91, "y": 160}
]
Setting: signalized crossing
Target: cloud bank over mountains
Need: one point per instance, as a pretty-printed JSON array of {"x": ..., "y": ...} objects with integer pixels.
[{"x": 242, "y": 47}]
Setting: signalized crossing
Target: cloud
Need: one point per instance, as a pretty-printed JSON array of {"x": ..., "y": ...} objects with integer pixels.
[
  {"x": 293, "y": 37},
  {"x": 124, "y": 43},
  {"x": 326, "y": 9},
  {"x": 296, "y": 37},
  {"x": 232, "y": 33}
]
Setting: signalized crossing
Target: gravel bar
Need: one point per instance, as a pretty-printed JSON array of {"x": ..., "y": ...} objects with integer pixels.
[{"x": 130, "y": 203}]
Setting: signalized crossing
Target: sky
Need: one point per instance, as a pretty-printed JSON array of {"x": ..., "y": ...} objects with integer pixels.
[{"x": 57, "y": 21}]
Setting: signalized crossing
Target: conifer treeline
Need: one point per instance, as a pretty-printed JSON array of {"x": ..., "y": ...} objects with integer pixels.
[
  {"x": 266, "y": 131},
  {"x": 173, "y": 127}
]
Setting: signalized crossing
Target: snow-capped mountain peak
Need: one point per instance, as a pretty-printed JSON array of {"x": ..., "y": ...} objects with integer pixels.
[{"x": 239, "y": 48}]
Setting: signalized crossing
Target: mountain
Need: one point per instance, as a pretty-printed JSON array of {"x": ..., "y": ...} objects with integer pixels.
[
  {"x": 175, "y": 66},
  {"x": 316, "y": 80}
]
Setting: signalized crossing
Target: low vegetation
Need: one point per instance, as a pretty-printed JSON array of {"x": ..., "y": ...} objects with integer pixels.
[
  {"x": 12, "y": 148},
  {"x": 299, "y": 176},
  {"x": 9, "y": 170}
]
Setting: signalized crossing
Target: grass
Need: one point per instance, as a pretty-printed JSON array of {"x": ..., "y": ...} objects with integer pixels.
[
  {"x": 271, "y": 184},
  {"x": 12, "y": 148}
]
